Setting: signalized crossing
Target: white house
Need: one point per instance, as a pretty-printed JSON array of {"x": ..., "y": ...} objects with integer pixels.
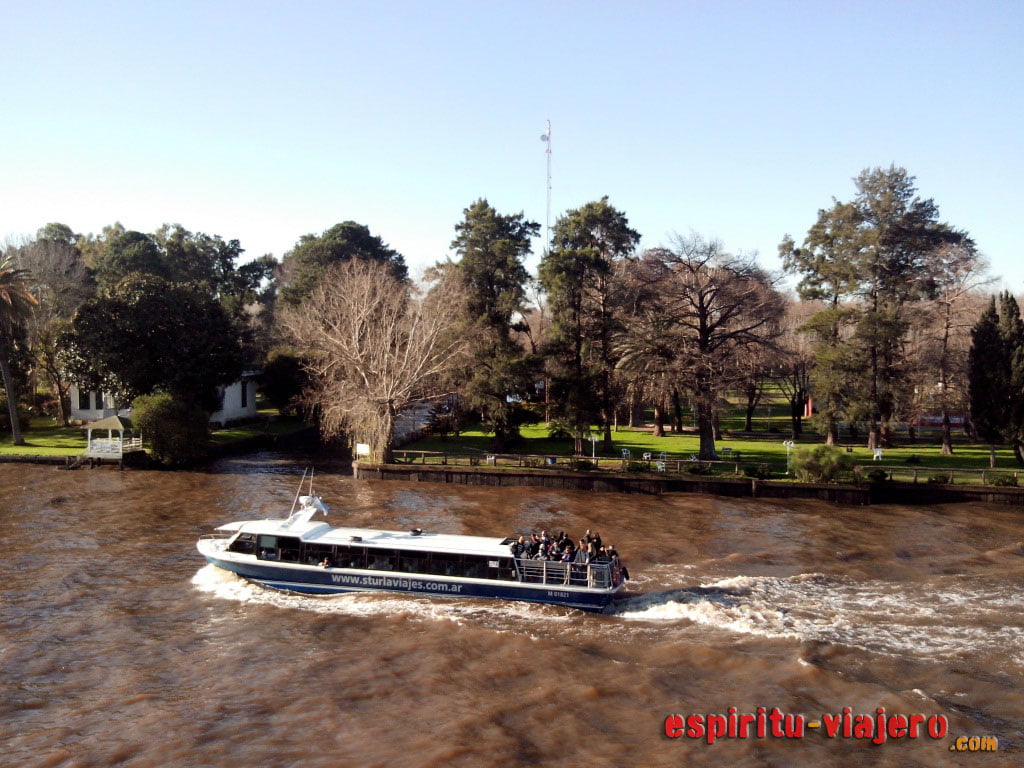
[{"x": 238, "y": 401}]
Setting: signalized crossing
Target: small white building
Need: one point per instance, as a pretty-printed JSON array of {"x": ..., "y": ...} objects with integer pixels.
[{"x": 238, "y": 402}]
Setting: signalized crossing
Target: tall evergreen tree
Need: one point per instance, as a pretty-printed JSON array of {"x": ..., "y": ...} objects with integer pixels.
[
  {"x": 304, "y": 265},
  {"x": 581, "y": 277},
  {"x": 878, "y": 244},
  {"x": 492, "y": 247},
  {"x": 988, "y": 379},
  {"x": 1011, "y": 331}
]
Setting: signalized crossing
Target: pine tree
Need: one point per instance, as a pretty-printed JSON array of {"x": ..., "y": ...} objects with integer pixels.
[{"x": 988, "y": 379}]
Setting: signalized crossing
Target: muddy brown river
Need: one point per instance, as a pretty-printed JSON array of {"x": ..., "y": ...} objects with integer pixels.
[{"x": 119, "y": 646}]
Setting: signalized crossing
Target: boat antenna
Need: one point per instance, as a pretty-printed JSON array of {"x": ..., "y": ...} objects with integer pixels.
[
  {"x": 311, "y": 470},
  {"x": 299, "y": 491}
]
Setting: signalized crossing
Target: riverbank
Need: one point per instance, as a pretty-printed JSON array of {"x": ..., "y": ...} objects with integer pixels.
[{"x": 888, "y": 492}]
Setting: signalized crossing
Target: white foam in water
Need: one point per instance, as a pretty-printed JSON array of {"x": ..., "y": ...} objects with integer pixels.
[
  {"x": 228, "y": 586},
  {"x": 938, "y": 620}
]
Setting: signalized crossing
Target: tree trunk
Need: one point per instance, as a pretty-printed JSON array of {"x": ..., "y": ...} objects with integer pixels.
[
  {"x": 911, "y": 434},
  {"x": 659, "y": 422},
  {"x": 874, "y": 440},
  {"x": 947, "y": 434},
  {"x": 1018, "y": 452},
  {"x": 12, "y": 396},
  {"x": 547, "y": 399},
  {"x": 677, "y": 412},
  {"x": 992, "y": 456},
  {"x": 705, "y": 428},
  {"x": 385, "y": 447},
  {"x": 607, "y": 446},
  {"x": 748, "y": 419},
  {"x": 716, "y": 425},
  {"x": 831, "y": 431}
]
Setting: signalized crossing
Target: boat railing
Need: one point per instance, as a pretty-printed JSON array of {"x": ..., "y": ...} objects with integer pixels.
[
  {"x": 601, "y": 575},
  {"x": 217, "y": 535}
]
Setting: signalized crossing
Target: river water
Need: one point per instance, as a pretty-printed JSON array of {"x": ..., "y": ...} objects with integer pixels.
[{"x": 119, "y": 646}]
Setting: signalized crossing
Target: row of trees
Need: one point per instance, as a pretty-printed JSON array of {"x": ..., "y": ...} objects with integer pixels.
[{"x": 888, "y": 294}]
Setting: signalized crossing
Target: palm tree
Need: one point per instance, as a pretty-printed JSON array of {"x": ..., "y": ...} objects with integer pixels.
[{"x": 16, "y": 304}]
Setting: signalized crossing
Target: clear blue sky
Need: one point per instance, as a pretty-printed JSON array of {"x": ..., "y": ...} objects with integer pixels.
[{"x": 263, "y": 121}]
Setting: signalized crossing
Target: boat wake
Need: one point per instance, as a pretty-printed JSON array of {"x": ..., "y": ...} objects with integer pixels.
[
  {"x": 228, "y": 586},
  {"x": 945, "y": 620}
]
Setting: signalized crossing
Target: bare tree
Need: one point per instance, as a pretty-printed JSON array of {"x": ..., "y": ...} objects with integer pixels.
[
  {"x": 796, "y": 361},
  {"x": 374, "y": 348},
  {"x": 709, "y": 305},
  {"x": 60, "y": 281},
  {"x": 959, "y": 273}
]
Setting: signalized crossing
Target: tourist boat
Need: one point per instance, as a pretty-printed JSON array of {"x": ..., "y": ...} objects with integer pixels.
[{"x": 301, "y": 554}]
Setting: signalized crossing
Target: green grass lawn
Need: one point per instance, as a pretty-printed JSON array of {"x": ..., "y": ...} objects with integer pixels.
[
  {"x": 44, "y": 437},
  {"x": 761, "y": 448},
  {"x": 265, "y": 426}
]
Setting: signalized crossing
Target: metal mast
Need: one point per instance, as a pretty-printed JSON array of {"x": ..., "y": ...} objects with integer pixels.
[{"x": 546, "y": 138}]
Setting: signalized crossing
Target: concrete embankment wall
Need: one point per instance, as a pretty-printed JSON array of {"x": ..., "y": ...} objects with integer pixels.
[
  {"x": 838, "y": 493},
  {"x": 608, "y": 482}
]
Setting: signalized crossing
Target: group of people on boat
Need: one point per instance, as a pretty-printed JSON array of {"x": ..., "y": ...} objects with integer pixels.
[{"x": 560, "y": 548}]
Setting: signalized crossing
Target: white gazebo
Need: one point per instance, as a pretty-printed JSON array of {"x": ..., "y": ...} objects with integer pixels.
[{"x": 111, "y": 447}]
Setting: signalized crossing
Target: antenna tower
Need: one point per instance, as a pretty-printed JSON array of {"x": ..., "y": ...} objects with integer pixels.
[{"x": 546, "y": 138}]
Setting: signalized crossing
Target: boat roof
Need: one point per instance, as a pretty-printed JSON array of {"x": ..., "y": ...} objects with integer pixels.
[{"x": 322, "y": 533}]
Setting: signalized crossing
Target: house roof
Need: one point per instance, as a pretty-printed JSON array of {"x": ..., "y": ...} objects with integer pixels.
[{"x": 116, "y": 423}]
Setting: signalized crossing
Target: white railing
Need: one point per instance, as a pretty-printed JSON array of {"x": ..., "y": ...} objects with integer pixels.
[
  {"x": 557, "y": 573},
  {"x": 115, "y": 445}
]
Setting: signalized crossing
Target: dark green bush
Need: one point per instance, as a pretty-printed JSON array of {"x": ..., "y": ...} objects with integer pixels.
[
  {"x": 1004, "y": 481},
  {"x": 913, "y": 459},
  {"x": 178, "y": 433},
  {"x": 583, "y": 465},
  {"x": 939, "y": 478},
  {"x": 821, "y": 464},
  {"x": 700, "y": 468},
  {"x": 283, "y": 380},
  {"x": 759, "y": 471},
  {"x": 877, "y": 476}
]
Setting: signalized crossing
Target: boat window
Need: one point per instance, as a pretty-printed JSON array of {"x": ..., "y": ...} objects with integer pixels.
[
  {"x": 413, "y": 562},
  {"x": 475, "y": 567},
  {"x": 444, "y": 564},
  {"x": 290, "y": 549},
  {"x": 500, "y": 568},
  {"x": 315, "y": 554},
  {"x": 350, "y": 557},
  {"x": 381, "y": 559},
  {"x": 244, "y": 543},
  {"x": 286, "y": 548}
]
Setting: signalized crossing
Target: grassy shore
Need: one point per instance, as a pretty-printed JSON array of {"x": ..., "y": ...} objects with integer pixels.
[
  {"x": 922, "y": 459},
  {"x": 44, "y": 437}
]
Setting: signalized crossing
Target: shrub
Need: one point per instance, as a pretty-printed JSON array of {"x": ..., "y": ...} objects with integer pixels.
[
  {"x": 877, "y": 476},
  {"x": 1004, "y": 481},
  {"x": 760, "y": 471},
  {"x": 583, "y": 465},
  {"x": 913, "y": 459},
  {"x": 699, "y": 468},
  {"x": 635, "y": 466},
  {"x": 559, "y": 430},
  {"x": 178, "y": 433},
  {"x": 939, "y": 478},
  {"x": 283, "y": 380},
  {"x": 821, "y": 464},
  {"x": 24, "y": 417}
]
